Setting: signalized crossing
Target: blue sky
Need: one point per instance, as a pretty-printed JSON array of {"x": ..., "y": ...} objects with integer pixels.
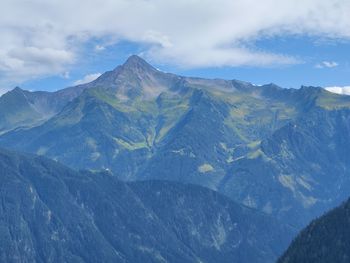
[
  {"x": 310, "y": 70},
  {"x": 290, "y": 43}
]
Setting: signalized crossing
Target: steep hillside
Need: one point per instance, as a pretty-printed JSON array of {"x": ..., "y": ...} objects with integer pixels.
[
  {"x": 53, "y": 214},
  {"x": 325, "y": 240},
  {"x": 300, "y": 171}
]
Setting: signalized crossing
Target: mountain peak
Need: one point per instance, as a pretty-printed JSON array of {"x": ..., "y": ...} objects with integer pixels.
[
  {"x": 17, "y": 89},
  {"x": 311, "y": 90},
  {"x": 14, "y": 92},
  {"x": 134, "y": 78},
  {"x": 136, "y": 62}
]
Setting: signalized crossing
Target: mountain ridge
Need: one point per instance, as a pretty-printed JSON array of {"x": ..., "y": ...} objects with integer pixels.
[
  {"x": 214, "y": 133},
  {"x": 52, "y": 212}
]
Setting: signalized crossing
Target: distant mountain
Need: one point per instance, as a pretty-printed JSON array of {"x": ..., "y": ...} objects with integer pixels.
[
  {"x": 20, "y": 108},
  {"x": 325, "y": 240},
  {"x": 282, "y": 151},
  {"x": 25, "y": 109},
  {"x": 51, "y": 213}
]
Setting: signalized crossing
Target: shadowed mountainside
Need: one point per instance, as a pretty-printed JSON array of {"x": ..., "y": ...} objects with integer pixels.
[
  {"x": 325, "y": 240},
  {"x": 51, "y": 213}
]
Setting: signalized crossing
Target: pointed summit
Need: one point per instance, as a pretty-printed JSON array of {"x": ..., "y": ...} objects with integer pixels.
[
  {"x": 134, "y": 59},
  {"x": 134, "y": 79},
  {"x": 136, "y": 62},
  {"x": 17, "y": 89}
]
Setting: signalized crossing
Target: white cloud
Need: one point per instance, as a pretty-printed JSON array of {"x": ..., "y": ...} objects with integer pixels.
[
  {"x": 66, "y": 75},
  {"x": 99, "y": 48},
  {"x": 327, "y": 64},
  {"x": 3, "y": 91},
  {"x": 41, "y": 37},
  {"x": 339, "y": 90},
  {"x": 86, "y": 79}
]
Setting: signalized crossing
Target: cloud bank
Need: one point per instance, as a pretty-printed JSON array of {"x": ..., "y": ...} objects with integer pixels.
[
  {"x": 42, "y": 37},
  {"x": 339, "y": 90},
  {"x": 88, "y": 78}
]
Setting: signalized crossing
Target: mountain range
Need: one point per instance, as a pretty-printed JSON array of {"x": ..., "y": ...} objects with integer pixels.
[
  {"x": 172, "y": 169},
  {"x": 282, "y": 151}
]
